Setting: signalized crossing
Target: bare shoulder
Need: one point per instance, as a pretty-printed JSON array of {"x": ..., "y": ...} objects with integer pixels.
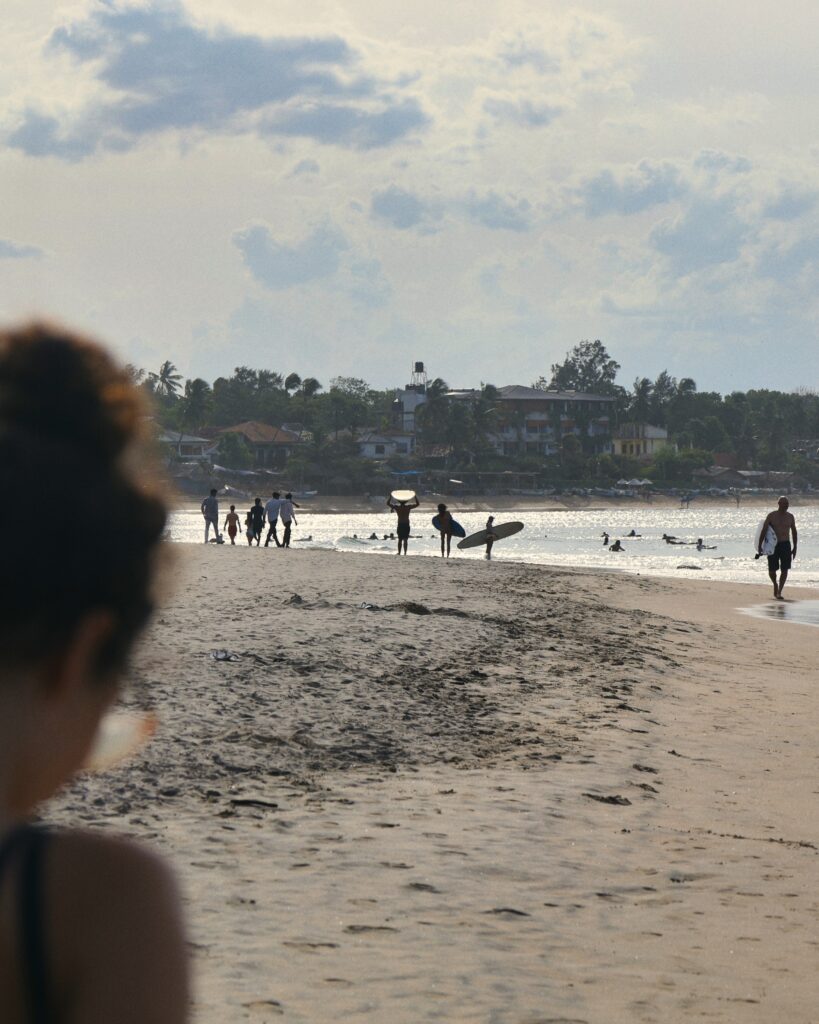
[
  {"x": 119, "y": 944},
  {"x": 101, "y": 863}
]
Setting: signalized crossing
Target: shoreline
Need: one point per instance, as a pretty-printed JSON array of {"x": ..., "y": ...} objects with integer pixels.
[
  {"x": 566, "y": 795},
  {"x": 343, "y": 505}
]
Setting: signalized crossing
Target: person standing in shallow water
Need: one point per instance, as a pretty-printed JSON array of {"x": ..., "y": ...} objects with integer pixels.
[
  {"x": 232, "y": 524},
  {"x": 257, "y": 515},
  {"x": 288, "y": 517},
  {"x": 210, "y": 513},
  {"x": 783, "y": 525},
  {"x": 402, "y": 511},
  {"x": 272, "y": 509},
  {"x": 490, "y": 540},
  {"x": 445, "y": 521}
]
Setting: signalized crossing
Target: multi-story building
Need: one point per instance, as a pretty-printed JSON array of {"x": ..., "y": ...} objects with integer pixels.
[{"x": 534, "y": 421}]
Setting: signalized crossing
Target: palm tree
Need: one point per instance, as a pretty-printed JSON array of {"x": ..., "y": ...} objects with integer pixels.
[
  {"x": 196, "y": 403},
  {"x": 268, "y": 380},
  {"x": 292, "y": 382},
  {"x": 641, "y": 400},
  {"x": 167, "y": 382}
]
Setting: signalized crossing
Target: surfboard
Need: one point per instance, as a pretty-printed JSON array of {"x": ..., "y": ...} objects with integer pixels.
[
  {"x": 769, "y": 543},
  {"x": 475, "y": 540},
  {"x": 457, "y": 529},
  {"x": 402, "y": 497}
]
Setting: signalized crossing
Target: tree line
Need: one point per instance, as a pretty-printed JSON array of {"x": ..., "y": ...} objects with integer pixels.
[{"x": 759, "y": 428}]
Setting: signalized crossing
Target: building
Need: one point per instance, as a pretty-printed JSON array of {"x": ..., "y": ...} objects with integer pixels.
[
  {"x": 185, "y": 446},
  {"x": 408, "y": 399},
  {"x": 380, "y": 445},
  {"x": 270, "y": 446},
  {"x": 639, "y": 440},
  {"x": 534, "y": 421}
]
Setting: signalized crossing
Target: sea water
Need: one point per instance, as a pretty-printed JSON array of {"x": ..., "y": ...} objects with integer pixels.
[{"x": 568, "y": 539}]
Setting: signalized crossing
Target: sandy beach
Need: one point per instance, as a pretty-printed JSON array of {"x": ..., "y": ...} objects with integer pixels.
[{"x": 470, "y": 791}]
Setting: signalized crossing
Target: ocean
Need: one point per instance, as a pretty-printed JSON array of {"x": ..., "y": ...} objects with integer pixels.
[{"x": 569, "y": 539}]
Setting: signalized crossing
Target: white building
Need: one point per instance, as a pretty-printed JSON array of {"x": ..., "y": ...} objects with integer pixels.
[{"x": 378, "y": 445}]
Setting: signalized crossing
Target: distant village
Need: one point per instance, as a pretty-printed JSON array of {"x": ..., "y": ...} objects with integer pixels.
[{"x": 575, "y": 430}]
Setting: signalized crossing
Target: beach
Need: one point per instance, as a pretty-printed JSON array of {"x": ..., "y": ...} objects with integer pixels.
[{"x": 475, "y": 791}]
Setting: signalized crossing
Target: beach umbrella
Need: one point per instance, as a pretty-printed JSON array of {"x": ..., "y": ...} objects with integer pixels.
[
  {"x": 634, "y": 483},
  {"x": 647, "y": 483},
  {"x": 622, "y": 483}
]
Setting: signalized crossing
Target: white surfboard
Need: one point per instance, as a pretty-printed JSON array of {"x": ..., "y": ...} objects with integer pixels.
[
  {"x": 402, "y": 497},
  {"x": 769, "y": 543}
]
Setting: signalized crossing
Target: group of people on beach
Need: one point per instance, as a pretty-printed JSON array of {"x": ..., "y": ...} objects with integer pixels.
[{"x": 277, "y": 509}]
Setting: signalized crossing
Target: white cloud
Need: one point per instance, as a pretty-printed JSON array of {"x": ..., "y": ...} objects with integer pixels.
[{"x": 277, "y": 264}]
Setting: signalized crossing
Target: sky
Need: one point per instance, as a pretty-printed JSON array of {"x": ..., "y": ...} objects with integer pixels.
[{"x": 343, "y": 188}]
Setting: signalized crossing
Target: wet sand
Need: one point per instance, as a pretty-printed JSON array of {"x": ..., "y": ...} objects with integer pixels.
[{"x": 475, "y": 791}]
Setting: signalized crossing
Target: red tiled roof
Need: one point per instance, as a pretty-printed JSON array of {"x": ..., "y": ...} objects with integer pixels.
[{"x": 262, "y": 433}]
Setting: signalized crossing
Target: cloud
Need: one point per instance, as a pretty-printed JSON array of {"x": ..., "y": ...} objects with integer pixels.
[
  {"x": 304, "y": 167},
  {"x": 277, "y": 265},
  {"x": 40, "y": 135},
  {"x": 160, "y": 72},
  {"x": 708, "y": 233},
  {"x": 523, "y": 113},
  {"x": 400, "y": 208},
  {"x": 638, "y": 189},
  {"x": 713, "y": 160},
  {"x": 405, "y": 210},
  {"x": 13, "y": 251},
  {"x": 368, "y": 284},
  {"x": 345, "y": 125},
  {"x": 790, "y": 204},
  {"x": 522, "y": 53},
  {"x": 787, "y": 263},
  {"x": 497, "y": 213}
]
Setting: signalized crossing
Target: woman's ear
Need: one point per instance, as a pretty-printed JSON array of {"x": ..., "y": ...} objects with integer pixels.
[{"x": 76, "y": 665}]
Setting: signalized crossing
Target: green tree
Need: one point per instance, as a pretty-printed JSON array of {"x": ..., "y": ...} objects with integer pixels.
[
  {"x": 196, "y": 403},
  {"x": 234, "y": 452},
  {"x": 588, "y": 368}
]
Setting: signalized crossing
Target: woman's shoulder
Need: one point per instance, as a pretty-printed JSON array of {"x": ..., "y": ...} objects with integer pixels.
[
  {"x": 109, "y": 880},
  {"x": 115, "y": 912}
]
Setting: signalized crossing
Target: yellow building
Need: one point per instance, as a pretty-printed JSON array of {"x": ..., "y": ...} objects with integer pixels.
[{"x": 639, "y": 440}]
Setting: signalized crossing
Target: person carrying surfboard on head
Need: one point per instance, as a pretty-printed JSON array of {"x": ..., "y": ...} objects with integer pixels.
[
  {"x": 783, "y": 524},
  {"x": 402, "y": 510},
  {"x": 445, "y": 526}
]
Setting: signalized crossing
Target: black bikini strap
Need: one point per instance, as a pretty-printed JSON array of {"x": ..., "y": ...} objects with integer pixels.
[{"x": 32, "y": 921}]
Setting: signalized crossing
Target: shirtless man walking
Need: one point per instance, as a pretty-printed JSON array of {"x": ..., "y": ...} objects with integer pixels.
[{"x": 783, "y": 525}]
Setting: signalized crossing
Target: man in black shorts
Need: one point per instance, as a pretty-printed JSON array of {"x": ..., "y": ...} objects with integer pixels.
[
  {"x": 402, "y": 510},
  {"x": 257, "y": 514},
  {"x": 783, "y": 525}
]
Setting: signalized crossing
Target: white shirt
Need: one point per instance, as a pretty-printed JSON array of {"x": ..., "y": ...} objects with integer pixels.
[
  {"x": 286, "y": 510},
  {"x": 272, "y": 509}
]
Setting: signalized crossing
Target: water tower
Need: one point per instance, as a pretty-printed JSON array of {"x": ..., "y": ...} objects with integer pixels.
[{"x": 418, "y": 379}]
